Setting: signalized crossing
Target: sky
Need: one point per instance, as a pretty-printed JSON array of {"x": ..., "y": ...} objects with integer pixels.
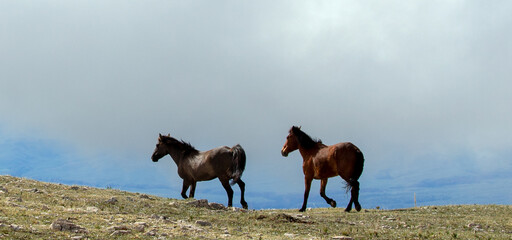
[{"x": 421, "y": 87}]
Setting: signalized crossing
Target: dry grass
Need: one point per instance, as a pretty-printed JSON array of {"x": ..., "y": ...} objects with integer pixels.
[{"x": 28, "y": 208}]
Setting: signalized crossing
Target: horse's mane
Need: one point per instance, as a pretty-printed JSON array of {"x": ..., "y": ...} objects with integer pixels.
[
  {"x": 185, "y": 147},
  {"x": 304, "y": 140}
]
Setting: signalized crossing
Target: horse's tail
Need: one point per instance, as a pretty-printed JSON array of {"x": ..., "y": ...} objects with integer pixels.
[
  {"x": 359, "y": 164},
  {"x": 238, "y": 165},
  {"x": 358, "y": 170}
]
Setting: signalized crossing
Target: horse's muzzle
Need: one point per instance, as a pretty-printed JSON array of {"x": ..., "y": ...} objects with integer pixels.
[{"x": 284, "y": 153}]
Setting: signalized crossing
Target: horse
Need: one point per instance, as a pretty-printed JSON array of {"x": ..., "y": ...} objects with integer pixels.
[
  {"x": 194, "y": 166},
  {"x": 322, "y": 162}
]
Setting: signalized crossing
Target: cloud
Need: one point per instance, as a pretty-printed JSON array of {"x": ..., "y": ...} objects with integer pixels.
[{"x": 412, "y": 84}]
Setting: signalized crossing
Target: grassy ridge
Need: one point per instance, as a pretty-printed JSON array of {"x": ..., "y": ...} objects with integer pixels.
[{"x": 36, "y": 210}]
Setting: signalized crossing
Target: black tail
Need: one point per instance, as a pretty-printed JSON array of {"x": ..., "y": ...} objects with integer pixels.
[
  {"x": 238, "y": 166},
  {"x": 359, "y": 165},
  {"x": 352, "y": 182}
]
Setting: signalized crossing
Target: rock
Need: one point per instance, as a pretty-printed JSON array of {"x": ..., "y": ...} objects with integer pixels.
[
  {"x": 92, "y": 209},
  {"x": 199, "y": 203},
  {"x": 77, "y": 237},
  {"x": 34, "y": 190},
  {"x": 74, "y": 188},
  {"x": 112, "y": 200},
  {"x": 140, "y": 226},
  {"x": 117, "y": 228},
  {"x": 342, "y": 237},
  {"x": 151, "y": 233},
  {"x": 475, "y": 226},
  {"x": 144, "y": 196},
  {"x": 66, "y": 225},
  {"x": 290, "y": 235},
  {"x": 120, "y": 232},
  {"x": 154, "y": 216},
  {"x": 14, "y": 199},
  {"x": 288, "y": 218},
  {"x": 67, "y": 198},
  {"x": 235, "y": 209},
  {"x": 302, "y": 216},
  {"x": 15, "y": 227},
  {"x": 203, "y": 223},
  {"x": 216, "y": 206}
]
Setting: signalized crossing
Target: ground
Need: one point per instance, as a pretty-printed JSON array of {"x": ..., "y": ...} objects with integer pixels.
[{"x": 36, "y": 210}]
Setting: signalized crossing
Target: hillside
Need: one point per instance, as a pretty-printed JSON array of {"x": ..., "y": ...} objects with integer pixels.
[{"x": 36, "y": 210}]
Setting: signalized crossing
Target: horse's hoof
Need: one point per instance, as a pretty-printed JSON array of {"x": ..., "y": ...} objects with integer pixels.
[
  {"x": 333, "y": 203},
  {"x": 302, "y": 210},
  {"x": 348, "y": 209},
  {"x": 245, "y": 206},
  {"x": 358, "y": 207}
]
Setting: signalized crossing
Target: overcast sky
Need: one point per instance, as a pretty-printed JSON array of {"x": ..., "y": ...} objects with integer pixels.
[{"x": 422, "y": 87}]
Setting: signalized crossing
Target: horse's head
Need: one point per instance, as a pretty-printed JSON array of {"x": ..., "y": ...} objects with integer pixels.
[
  {"x": 160, "y": 149},
  {"x": 291, "y": 143}
]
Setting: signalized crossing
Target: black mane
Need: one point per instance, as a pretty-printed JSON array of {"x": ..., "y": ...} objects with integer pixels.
[
  {"x": 305, "y": 140},
  {"x": 186, "y": 148}
]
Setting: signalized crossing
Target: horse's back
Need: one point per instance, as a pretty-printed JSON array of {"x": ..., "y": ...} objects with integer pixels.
[
  {"x": 218, "y": 151},
  {"x": 207, "y": 165},
  {"x": 219, "y": 156},
  {"x": 349, "y": 160}
]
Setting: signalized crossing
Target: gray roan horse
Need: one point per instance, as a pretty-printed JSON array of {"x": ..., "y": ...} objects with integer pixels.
[{"x": 194, "y": 166}]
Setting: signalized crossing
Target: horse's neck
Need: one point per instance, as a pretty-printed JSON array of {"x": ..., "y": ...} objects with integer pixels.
[
  {"x": 308, "y": 153},
  {"x": 179, "y": 159},
  {"x": 175, "y": 155}
]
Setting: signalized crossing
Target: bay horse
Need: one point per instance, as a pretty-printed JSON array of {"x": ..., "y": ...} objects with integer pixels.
[
  {"x": 322, "y": 162},
  {"x": 194, "y": 166}
]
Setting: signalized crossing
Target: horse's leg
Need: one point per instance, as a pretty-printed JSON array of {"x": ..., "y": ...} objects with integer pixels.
[
  {"x": 354, "y": 196},
  {"x": 354, "y": 192},
  {"x": 186, "y": 184},
  {"x": 307, "y": 183},
  {"x": 192, "y": 189},
  {"x": 229, "y": 190},
  {"x": 241, "y": 184},
  {"x": 349, "y": 206},
  {"x": 329, "y": 201}
]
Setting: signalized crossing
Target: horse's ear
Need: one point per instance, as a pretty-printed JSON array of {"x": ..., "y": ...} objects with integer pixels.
[{"x": 169, "y": 135}]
